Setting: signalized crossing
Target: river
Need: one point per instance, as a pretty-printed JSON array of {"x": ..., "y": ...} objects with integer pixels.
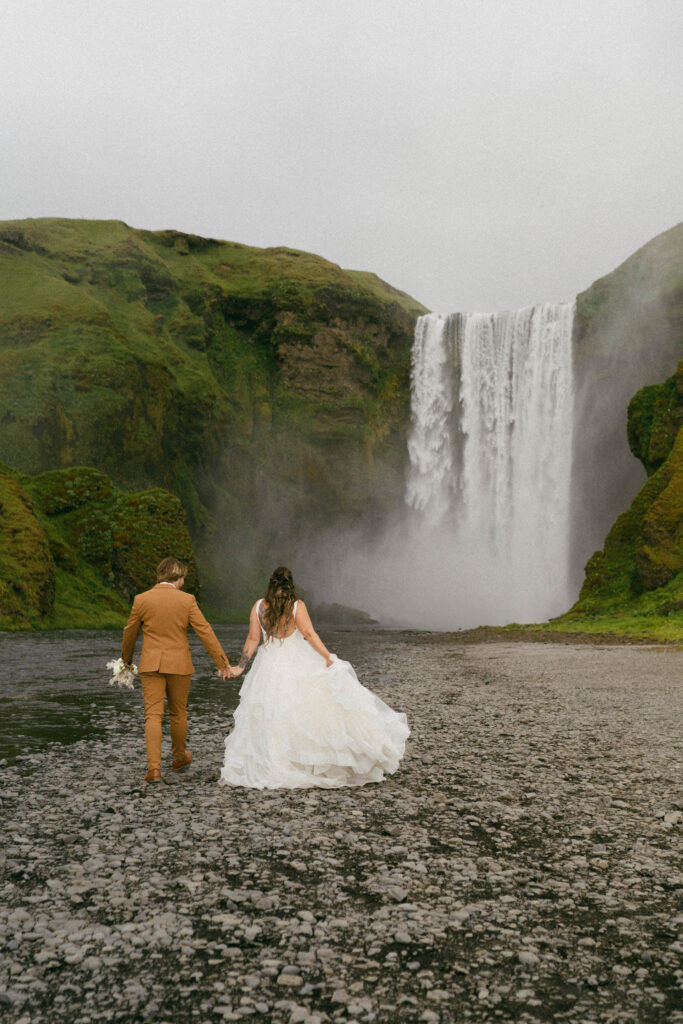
[{"x": 55, "y": 685}]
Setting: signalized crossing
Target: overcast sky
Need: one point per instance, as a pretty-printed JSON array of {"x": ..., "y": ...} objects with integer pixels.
[{"x": 479, "y": 154}]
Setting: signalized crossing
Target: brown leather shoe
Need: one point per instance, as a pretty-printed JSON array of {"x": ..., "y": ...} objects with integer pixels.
[
  {"x": 182, "y": 762},
  {"x": 153, "y": 775}
]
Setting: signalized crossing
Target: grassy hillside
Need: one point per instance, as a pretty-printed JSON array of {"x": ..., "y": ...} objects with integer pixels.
[
  {"x": 267, "y": 389},
  {"x": 74, "y": 549}
]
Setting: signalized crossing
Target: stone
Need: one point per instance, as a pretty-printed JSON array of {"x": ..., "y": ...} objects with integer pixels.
[
  {"x": 511, "y": 910},
  {"x": 527, "y": 958}
]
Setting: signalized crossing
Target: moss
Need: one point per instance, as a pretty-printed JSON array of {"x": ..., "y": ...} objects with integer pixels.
[
  {"x": 27, "y": 570},
  {"x": 655, "y": 415},
  {"x": 75, "y": 548},
  {"x": 236, "y": 378},
  {"x": 638, "y": 576},
  {"x": 659, "y": 544},
  {"x": 147, "y": 526}
]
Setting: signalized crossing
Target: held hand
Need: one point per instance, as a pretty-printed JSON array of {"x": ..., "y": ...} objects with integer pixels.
[
  {"x": 235, "y": 671},
  {"x": 224, "y": 673}
]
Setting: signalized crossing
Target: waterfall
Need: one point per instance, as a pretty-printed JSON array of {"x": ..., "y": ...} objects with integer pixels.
[{"x": 490, "y": 460}]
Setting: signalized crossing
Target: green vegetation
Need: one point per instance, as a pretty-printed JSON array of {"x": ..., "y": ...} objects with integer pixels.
[
  {"x": 627, "y": 323},
  {"x": 263, "y": 394},
  {"x": 635, "y": 584},
  {"x": 262, "y": 387},
  {"x": 75, "y": 549},
  {"x": 27, "y": 570}
]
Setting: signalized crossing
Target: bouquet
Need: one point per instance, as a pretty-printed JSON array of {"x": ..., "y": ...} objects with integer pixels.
[{"x": 122, "y": 675}]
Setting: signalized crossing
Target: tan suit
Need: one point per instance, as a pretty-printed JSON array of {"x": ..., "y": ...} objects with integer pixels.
[{"x": 164, "y": 612}]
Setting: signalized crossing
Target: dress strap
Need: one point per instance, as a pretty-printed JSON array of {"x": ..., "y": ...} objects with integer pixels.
[{"x": 296, "y": 605}]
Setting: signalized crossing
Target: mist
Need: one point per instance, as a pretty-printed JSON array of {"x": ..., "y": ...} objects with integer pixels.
[
  {"x": 632, "y": 341},
  {"x": 483, "y": 533},
  {"x": 444, "y": 561},
  {"x": 411, "y": 577}
]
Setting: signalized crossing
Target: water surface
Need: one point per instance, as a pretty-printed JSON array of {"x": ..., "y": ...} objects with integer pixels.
[{"x": 54, "y": 687}]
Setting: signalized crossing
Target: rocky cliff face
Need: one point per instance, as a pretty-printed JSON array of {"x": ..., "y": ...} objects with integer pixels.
[{"x": 267, "y": 389}]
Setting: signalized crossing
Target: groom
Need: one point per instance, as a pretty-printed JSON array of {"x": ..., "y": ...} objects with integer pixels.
[{"x": 166, "y": 668}]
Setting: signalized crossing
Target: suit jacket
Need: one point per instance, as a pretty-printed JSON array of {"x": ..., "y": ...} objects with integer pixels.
[{"x": 164, "y": 614}]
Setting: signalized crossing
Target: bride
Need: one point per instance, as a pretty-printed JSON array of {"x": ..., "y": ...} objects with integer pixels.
[{"x": 304, "y": 719}]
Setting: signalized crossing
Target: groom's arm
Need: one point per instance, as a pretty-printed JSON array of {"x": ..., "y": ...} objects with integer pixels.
[
  {"x": 130, "y": 634},
  {"x": 208, "y": 637}
]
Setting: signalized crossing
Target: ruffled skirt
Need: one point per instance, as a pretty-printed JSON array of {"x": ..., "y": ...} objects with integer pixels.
[{"x": 300, "y": 725}]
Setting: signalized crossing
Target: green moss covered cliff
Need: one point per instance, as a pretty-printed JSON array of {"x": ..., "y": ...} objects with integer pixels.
[
  {"x": 74, "y": 549},
  {"x": 628, "y": 332},
  {"x": 636, "y": 580},
  {"x": 267, "y": 389}
]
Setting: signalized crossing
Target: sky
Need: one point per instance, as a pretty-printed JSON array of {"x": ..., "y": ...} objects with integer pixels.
[{"x": 478, "y": 154}]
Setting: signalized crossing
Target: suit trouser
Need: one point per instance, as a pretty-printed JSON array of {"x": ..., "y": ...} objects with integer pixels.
[{"x": 156, "y": 686}]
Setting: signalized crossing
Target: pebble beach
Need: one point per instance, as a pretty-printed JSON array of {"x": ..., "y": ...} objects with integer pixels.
[{"x": 524, "y": 864}]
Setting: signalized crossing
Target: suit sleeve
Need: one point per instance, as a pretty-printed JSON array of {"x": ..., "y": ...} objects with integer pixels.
[
  {"x": 130, "y": 633},
  {"x": 207, "y": 636}
]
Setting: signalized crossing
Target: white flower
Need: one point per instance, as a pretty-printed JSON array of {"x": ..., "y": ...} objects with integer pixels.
[{"x": 122, "y": 675}]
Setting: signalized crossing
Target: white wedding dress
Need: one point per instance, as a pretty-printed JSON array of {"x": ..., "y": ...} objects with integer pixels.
[{"x": 300, "y": 724}]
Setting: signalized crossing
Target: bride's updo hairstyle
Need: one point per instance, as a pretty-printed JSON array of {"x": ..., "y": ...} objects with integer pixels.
[{"x": 279, "y": 602}]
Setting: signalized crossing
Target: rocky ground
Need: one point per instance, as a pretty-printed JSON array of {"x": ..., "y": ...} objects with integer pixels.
[{"x": 524, "y": 864}]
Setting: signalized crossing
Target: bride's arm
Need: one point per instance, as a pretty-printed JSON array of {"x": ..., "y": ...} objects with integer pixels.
[
  {"x": 305, "y": 627},
  {"x": 251, "y": 643}
]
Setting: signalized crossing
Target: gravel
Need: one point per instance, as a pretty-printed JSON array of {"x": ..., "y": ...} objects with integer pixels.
[{"x": 524, "y": 864}]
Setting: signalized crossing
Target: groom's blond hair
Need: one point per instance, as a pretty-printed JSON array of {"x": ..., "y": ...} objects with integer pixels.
[{"x": 170, "y": 569}]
